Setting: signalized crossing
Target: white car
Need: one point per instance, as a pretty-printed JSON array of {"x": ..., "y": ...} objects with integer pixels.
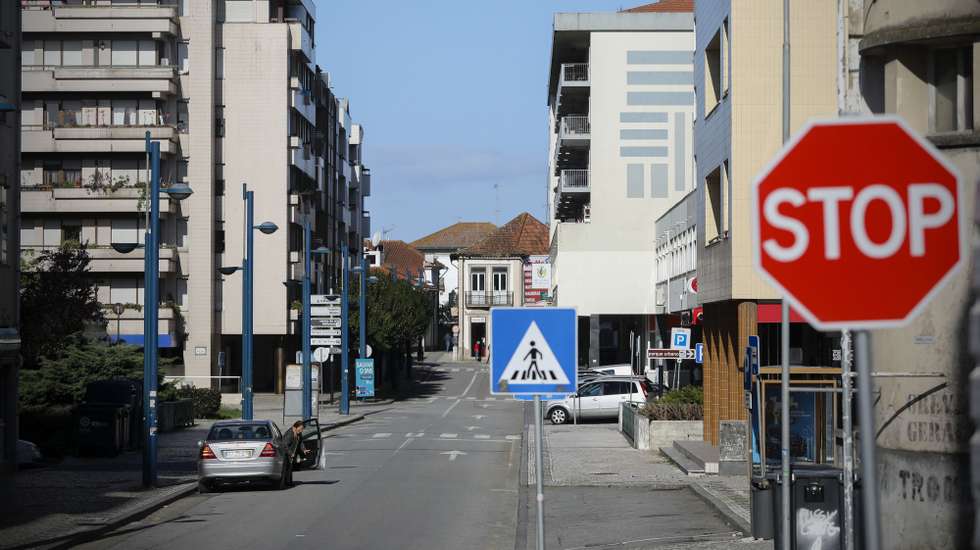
[
  {"x": 624, "y": 369},
  {"x": 599, "y": 399}
]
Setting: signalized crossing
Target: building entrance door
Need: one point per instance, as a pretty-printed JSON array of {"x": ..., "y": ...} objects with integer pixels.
[{"x": 478, "y": 333}]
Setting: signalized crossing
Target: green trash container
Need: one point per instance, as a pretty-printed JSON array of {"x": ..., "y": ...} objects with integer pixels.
[{"x": 100, "y": 427}]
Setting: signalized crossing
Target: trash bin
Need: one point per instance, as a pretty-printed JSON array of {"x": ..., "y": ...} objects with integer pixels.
[
  {"x": 816, "y": 508},
  {"x": 100, "y": 429},
  {"x": 761, "y": 513},
  {"x": 121, "y": 391}
]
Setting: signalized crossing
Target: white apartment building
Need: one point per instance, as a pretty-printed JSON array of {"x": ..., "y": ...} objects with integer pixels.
[
  {"x": 621, "y": 107},
  {"x": 231, "y": 90}
]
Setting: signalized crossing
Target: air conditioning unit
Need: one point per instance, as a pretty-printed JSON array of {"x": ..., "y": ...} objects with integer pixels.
[{"x": 587, "y": 213}]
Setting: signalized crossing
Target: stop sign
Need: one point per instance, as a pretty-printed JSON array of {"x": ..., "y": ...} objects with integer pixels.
[{"x": 858, "y": 222}]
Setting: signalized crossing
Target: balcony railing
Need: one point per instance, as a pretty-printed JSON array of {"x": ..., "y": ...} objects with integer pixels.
[
  {"x": 482, "y": 298},
  {"x": 575, "y": 179},
  {"x": 131, "y": 118},
  {"x": 48, "y": 4},
  {"x": 575, "y": 125},
  {"x": 575, "y": 72}
]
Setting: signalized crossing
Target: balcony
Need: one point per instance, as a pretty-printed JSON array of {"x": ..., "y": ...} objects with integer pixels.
[
  {"x": 574, "y": 131},
  {"x": 156, "y": 19},
  {"x": 106, "y": 260},
  {"x": 130, "y": 323},
  {"x": 572, "y": 193},
  {"x": 302, "y": 101},
  {"x": 301, "y": 158},
  {"x": 158, "y": 80},
  {"x": 574, "y": 181},
  {"x": 70, "y": 138},
  {"x": 76, "y": 199},
  {"x": 480, "y": 298},
  {"x": 574, "y": 75},
  {"x": 300, "y": 40}
]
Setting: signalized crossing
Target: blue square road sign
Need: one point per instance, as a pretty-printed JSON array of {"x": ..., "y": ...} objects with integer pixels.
[{"x": 534, "y": 351}]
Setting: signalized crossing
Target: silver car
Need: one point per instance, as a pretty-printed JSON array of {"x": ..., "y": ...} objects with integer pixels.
[
  {"x": 599, "y": 399},
  {"x": 249, "y": 451}
]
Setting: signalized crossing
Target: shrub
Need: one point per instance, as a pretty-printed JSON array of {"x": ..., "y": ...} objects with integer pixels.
[
  {"x": 207, "y": 401},
  {"x": 673, "y": 411},
  {"x": 684, "y": 395}
]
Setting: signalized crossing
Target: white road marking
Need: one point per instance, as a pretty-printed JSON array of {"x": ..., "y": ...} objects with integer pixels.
[
  {"x": 451, "y": 407},
  {"x": 468, "y": 386},
  {"x": 448, "y": 436},
  {"x": 402, "y": 446},
  {"x": 381, "y": 435},
  {"x": 453, "y": 454},
  {"x": 471, "y": 428},
  {"x": 481, "y": 436},
  {"x": 455, "y": 370},
  {"x": 471, "y": 398},
  {"x": 479, "y": 416},
  {"x": 415, "y": 434},
  {"x": 513, "y": 437}
]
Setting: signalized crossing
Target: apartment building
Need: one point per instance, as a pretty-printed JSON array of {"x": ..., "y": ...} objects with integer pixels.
[
  {"x": 621, "y": 107},
  {"x": 9, "y": 236},
  {"x": 917, "y": 60},
  {"x": 231, "y": 91},
  {"x": 492, "y": 274},
  {"x": 738, "y": 128}
]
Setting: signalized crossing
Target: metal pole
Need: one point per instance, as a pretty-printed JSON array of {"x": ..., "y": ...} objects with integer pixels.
[
  {"x": 362, "y": 308},
  {"x": 847, "y": 425},
  {"x": 538, "y": 467},
  {"x": 872, "y": 533},
  {"x": 344, "y": 331},
  {"x": 151, "y": 269},
  {"x": 784, "y": 419},
  {"x": 307, "y": 371},
  {"x": 247, "y": 410}
]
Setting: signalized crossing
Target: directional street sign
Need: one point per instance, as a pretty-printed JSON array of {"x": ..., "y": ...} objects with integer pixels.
[
  {"x": 699, "y": 353},
  {"x": 324, "y": 331},
  {"x": 534, "y": 351},
  {"x": 668, "y": 353},
  {"x": 325, "y": 322},
  {"x": 325, "y": 311},
  {"x": 324, "y": 299},
  {"x": 332, "y": 341},
  {"x": 859, "y": 244}
]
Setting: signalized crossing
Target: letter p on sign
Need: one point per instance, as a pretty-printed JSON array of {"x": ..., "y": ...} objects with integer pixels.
[{"x": 858, "y": 222}]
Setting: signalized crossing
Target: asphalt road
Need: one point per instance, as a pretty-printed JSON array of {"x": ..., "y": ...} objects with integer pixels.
[{"x": 439, "y": 470}]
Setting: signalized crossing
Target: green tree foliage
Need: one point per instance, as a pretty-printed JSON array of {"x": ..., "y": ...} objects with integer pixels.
[
  {"x": 63, "y": 375},
  {"x": 57, "y": 299},
  {"x": 397, "y": 313}
]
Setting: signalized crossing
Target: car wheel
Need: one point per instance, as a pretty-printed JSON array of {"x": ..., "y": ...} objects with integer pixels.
[
  {"x": 558, "y": 415},
  {"x": 203, "y": 487}
]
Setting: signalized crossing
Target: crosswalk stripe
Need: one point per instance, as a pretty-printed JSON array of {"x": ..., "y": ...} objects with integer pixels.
[
  {"x": 415, "y": 434},
  {"x": 381, "y": 435},
  {"x": 481, "y": 436},
  {"x": 513, "y": 437},
  {"x": 448, "y": 436}
]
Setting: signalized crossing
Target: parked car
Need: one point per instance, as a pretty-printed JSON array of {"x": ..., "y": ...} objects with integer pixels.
[
  {"x": 599, "y": 399},
  {"x": 250, "y": 451},
  {"x": 28, "y": 454},
  {"x": 622, "y": 369}
]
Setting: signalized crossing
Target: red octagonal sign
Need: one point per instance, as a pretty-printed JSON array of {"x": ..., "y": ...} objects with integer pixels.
[{"x": 858, "y": 222}]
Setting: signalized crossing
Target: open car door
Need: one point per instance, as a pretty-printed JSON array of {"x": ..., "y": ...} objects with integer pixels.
[{"x": 310, "y": 439}]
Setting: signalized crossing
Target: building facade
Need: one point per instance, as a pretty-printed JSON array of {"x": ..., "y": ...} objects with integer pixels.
[
  {"x": 231, "y": 91},
  {"x": 492, "y": 274},
  {"x": 9, "y": 236},
  {"x": 738, "y": 70},
  {"x": 918, "y": 60},
  {"x": 621, "y": 107}
]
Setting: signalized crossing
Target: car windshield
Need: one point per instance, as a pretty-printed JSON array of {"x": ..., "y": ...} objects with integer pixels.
[{"x": 237, "y": 432}]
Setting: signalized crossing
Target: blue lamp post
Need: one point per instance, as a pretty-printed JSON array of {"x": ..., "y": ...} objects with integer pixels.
[
  {"x": 151, "y": 322},
  {"x": 248, "y": 268}
]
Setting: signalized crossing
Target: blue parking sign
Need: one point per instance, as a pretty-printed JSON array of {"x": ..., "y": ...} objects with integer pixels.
[{"x": 534, "y": 351}]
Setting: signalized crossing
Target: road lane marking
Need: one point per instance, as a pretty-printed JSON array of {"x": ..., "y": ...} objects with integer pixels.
[
  {"x": 481, "y": 436},
  {"x": 381, "y": 435},
  {"x": 415, "y": 434},
  {"x": 451, "y": 407},
  {"x": 468, "y": 386},
  {"x": 455, "y": 370},
  {"x": 453, "y": 454},
  {"x": 402, "y": 446},
  {"x": 471, "y": 398},
  {"x": 471, "y": 428},
  {"x": 448, "y": 436}
]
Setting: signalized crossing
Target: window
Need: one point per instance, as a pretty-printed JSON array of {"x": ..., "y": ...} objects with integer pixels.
[
  {"x": 72, "y": 53},
  {"x": 125, "y": 53},
  {"x": 52, "y": 53},
  {"x": 591, "y": 390},
  {"x": 499, "y": 279},
  {"x": 478, "y": 279},
  {"x": 124, "y": 230},
  {"x": 182, "y": 116},
  {"x": 952, "y": 89},
  {"x": 27, "y": 57},
  {"x": 183, "y": 58},
  {"x": 617, "y": 388},
  {"x": 147, "y": 53},
  {"x": 712, "y": 73},
  {"x": 715, "y": 205},
  {"x": 71, "y": 232}
]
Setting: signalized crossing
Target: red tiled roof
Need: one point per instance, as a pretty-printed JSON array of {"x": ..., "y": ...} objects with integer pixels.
[
  {"x": 457, "y": 236},
  {"x": 664, "y": 6},
  {"x": 522, "y": 236},
  {"x": 401, "y": 256}
]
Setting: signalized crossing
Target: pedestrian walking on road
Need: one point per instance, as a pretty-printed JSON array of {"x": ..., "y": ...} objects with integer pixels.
[
  {"x": 293, "y": 443},
  {"x": 448, "y": 340}
]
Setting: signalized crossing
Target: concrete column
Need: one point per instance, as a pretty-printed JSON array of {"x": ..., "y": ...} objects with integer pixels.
[{"x": 593, "y": 341}]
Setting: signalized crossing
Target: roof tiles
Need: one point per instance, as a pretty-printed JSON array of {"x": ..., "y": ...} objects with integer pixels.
[
  {"x": 522, "y": 236},
  {"x": 664, "y": 6},
  {"x": 455, "y": 237}
]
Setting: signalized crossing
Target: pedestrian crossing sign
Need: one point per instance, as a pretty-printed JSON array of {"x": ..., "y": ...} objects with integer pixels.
[{"x": 534, "y": 351}]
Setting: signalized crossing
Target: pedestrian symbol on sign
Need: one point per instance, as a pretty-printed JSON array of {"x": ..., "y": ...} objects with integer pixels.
[{"x": 533, "y": 362}]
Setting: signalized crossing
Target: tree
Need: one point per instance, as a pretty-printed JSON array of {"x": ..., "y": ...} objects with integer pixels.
[
  {"x": 397, "y": 313},
  {"x": 57, "y": 299}
]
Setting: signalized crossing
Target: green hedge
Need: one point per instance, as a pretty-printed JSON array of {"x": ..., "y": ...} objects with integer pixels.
[
  {"x": 207, "y": 401},
  {"x": 50, "y": 428},
  {"x": 673, "y": 411},
  {"x": 684, "y": 395}
]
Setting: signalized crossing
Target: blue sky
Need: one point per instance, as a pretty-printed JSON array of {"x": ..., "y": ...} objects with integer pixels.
[{"x": 453, "y": 98}]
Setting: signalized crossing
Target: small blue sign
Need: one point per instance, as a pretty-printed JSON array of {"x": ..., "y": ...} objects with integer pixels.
[
  {"x": 534, "y": 351},
  {"x": 754, "y": 345},
  {"x": 699, "y": 353},
  {"x": 364, "y": 377}
]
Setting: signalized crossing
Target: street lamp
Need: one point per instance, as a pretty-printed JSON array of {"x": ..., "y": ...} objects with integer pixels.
[
  {"x": 118, "y": 309},
  {"x": 151, "y": 322},
  {"x": 248, "y": 268}
]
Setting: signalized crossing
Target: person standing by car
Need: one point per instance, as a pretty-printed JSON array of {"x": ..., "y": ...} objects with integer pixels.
[{"x": 293, "y": 444}]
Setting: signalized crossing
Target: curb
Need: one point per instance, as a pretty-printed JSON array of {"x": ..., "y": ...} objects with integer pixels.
[
  {"x": 354, "y": 404},
  {"x": 730, "y": 515},
  {"x": 138, "y": 511}
]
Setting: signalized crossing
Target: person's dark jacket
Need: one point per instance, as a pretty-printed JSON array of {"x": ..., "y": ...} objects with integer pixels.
[{"x": 291, "y": 442}]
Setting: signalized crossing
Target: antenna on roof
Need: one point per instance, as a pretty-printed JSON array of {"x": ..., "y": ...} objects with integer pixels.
[{"x": 496, "y": 204}]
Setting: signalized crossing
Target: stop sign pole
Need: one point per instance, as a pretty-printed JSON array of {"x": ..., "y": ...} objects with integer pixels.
[{"x": 858, "y": 222}]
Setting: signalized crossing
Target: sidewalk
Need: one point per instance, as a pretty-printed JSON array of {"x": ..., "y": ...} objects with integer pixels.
[{"x": 47, "y": 507}]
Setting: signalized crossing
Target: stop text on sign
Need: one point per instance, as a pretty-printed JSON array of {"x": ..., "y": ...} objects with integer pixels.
[{"x": 909, "y": 216}]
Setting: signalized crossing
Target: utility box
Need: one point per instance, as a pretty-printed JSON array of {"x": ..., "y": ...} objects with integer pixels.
[{"x": 816, "y": 509}]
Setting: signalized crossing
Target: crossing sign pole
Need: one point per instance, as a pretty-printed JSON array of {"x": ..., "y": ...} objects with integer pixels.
[{"x": 535, "y": 354}]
